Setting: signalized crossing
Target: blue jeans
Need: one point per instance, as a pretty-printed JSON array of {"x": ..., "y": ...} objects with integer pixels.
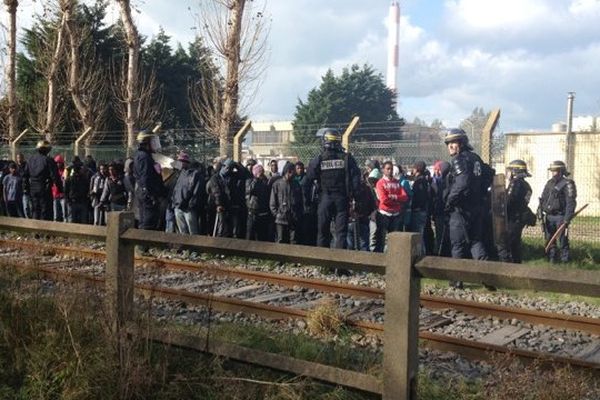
[
  {"x": 187, "y": 221},
  {"x": 362, "y": 233},
  {"x": 26, "y": 206},
  {"x": 60, "y": 210},
  {"x": 417, "y": 225}
]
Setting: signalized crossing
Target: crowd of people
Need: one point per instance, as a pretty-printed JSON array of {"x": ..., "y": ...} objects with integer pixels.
[{"x": 331, "y": 202}]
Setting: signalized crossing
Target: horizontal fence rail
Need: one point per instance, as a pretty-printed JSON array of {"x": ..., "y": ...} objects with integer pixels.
[{"x": 400, "y": 264}]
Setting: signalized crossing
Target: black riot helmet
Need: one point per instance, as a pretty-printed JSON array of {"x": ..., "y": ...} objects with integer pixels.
[
  {"x": 331, "y": 138},
  {"x": 457, "y": 135},
  {"x": 559, "y": 166},
  {"x": 517, "y": 167}
]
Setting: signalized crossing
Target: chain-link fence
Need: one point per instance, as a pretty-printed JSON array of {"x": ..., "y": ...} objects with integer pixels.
[{"x": 403, "y": 144}]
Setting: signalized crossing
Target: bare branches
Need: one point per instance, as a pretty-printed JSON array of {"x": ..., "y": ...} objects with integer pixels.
[
  {"x": 86, "y": 81},
  {"x": 149, "y": 100},
  {"x": 237, "y": 31}
]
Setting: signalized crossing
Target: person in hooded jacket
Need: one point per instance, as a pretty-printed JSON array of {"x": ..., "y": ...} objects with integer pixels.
[
  {"x": 361, "y": 209},
  {"x": 286, "y": 205},
  {"x": 223, "y": 198},
  {"x": 258, "y": 195},
  {"x": 439, "y": 190},
  {"x": 97, "y": 183},
  {"x": 115, "y": 196},
  {"x": 186, "y": 196},
  {"x": 58, "y": 197},
  {"x": 77, "y": 186}
]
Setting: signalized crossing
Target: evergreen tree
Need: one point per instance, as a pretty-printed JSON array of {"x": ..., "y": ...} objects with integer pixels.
[{"x": 357, "y": 91}]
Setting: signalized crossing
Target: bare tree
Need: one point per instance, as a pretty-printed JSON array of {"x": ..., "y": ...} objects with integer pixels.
[
  {"x": 149, "y": 102},
  {"x": 132, "y": 84},
  {"x": 11, "y": 6},
  {"x": 86, "y": 82},
  {"x": 237, "y": 31},
  {"x": 51, "y": 73}
]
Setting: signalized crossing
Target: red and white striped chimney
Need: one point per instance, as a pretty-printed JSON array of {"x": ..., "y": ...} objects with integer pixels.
[{"x": 393, "y": 39}]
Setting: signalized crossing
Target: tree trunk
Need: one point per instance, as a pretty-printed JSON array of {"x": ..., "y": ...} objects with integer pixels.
[
  {"x": 11, "y": 70},
  {"x": 84, "y": 110},
  {"x": 133, "y": 48},
  {"x": 232, "y": 84},
  {"x": 50, "y": 123}
]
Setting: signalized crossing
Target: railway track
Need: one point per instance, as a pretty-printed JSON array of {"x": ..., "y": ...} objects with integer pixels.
[{"x": 279, "y": 296}]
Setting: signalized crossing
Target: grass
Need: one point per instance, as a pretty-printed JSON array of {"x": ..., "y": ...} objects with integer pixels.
[{"x": 60, "y": 345}]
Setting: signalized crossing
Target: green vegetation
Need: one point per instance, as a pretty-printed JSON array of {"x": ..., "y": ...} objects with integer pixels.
[{"x": 356, "y": 91}]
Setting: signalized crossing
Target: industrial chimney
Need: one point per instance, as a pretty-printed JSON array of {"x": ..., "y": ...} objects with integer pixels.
[{"x": 393, "y": 38}]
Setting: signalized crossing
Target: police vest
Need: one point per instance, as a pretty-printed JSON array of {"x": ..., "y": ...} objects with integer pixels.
[
  {"x": 556, "y": 200},
  {"x": 333, "y": 171}
]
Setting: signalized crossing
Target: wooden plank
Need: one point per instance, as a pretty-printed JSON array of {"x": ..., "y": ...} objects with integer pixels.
[
  {"x": 321, "y": 372},
  {"x": 353, "y": 260},
  {"x": 433, "y": 321},
  {"x": 272, "y": 297},
  {"x": 504, "y": 335},
  {"x": 591, "y": 352},
  {"x": 512, "y": 276},
  {"x": 53, "y": 228},
  {"x": 237, "y": 291}
]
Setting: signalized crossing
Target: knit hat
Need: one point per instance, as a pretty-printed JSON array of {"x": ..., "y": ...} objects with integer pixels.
[{"x": 183, "y": 157}]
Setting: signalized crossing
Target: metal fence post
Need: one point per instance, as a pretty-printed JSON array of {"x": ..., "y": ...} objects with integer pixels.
[
  {"x": 119, "y": 267},
  {"x": 401, "y": 329},
  {"x": 237, "y": 141},
  {"x": 77, "y": 143}
]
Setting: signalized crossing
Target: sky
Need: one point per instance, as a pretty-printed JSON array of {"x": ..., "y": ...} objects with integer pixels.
[{"x": 521, "y": 56}]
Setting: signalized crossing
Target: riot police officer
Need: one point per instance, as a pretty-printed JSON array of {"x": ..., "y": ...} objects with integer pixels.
[
  {"x": 518, "y": 213},
  {"x": 39, "y": 175},
  {"x": 465, "y": 198},
  {"x": 338, "y": 176},
  {"x": 557, "y": 206},
  {"x": 149, "y": 184}
]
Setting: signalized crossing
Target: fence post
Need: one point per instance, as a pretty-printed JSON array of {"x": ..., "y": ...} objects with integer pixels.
[
  {"x": 237, "y": 141},
  {"x": 401, "y": 328},
  {"x": 349, "y": 131},
  {"x": 15, "y": 143},
  {"x": 486, "y": 135},
  {"x": 77, "y": 144},
  {"x": 119, "y": 267}
]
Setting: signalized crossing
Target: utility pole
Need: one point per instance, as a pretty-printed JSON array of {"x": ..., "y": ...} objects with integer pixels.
[{"x": 569, "y": 142}]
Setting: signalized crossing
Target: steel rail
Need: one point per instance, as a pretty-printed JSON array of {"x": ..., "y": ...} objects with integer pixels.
[
  {"x": 468, "y": 348},
  {"x": 556, "y": 320}
]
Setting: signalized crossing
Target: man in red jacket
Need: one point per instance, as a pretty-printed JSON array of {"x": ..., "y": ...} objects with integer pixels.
[{"x": 392, "y": 199}]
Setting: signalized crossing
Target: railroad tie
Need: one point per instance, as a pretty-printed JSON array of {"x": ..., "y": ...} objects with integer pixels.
[
  {"x": 237, "y": 291},
  {"x": 591, "y": 352},
  {"x": 504, "y": 335}
]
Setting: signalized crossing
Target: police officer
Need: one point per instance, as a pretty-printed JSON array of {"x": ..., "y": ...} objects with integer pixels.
[
  {"x": 557, "y": 206},
  {"x": 39, "y": 175},
  {"x": 465, "y": 198},
  {"x": 149, "y": 184},
  {"x": 338, "y": 177},
  {"x": 518, "y": 213}
]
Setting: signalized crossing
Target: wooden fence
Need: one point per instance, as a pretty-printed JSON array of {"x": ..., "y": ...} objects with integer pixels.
[{"x": 402, "y": 270}]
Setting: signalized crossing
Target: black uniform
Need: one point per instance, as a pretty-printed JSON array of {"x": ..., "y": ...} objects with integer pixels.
[
  {"x": 39, "y": 174},
  {"x": 149, "y": 189},
  {"x": 338, "y": 176},
  {"x": 558, "y": 203},
  {"x": 518, "y": 195},
  {"x": 464, "y": 205}
]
